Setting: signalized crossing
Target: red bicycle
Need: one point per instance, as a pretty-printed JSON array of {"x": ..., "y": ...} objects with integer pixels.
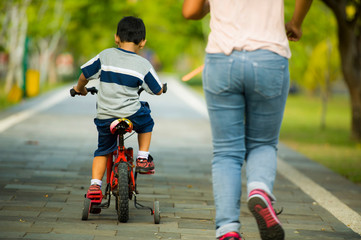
[{"x": 121, "y": 179}]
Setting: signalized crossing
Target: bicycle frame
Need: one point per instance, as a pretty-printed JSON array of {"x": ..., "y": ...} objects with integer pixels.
[{"x": 122, "y": 154}]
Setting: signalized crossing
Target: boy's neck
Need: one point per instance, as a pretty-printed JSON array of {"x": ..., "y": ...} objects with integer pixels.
[{"x": 129, "y": 46}]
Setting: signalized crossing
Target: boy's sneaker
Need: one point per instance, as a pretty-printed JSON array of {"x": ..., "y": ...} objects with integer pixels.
[
  {"x": 96, "y": 196},
  {"x": 231, "y": 236},
  {"x": 268, "y": 224},
  {"x": 145, "y": 166}
]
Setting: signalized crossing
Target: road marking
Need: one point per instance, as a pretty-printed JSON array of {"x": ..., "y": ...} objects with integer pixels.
[
  {"x": 23, "y": 115},
  {"x": 188, "y": 97},
  {"x": 323, "y": 197}
]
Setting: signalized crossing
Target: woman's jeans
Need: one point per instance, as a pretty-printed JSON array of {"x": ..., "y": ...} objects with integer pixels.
[{"x": 246, "y": 94}]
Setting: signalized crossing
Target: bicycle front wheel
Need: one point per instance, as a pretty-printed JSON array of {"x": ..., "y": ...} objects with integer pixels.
[{"x": 123, "y": 193}]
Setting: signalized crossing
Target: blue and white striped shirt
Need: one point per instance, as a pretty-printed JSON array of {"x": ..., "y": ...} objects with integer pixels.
[{"x": 121, "y": 73}]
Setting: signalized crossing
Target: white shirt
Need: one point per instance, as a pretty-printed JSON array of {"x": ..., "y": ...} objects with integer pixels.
[{"x": 247, "y": 25}]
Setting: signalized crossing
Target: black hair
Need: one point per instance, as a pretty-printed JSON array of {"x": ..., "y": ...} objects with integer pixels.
[{"x": 131, "y": 29}]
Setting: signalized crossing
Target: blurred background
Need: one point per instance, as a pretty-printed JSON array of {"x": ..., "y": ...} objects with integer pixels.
[{"x": 43, "y": 43}]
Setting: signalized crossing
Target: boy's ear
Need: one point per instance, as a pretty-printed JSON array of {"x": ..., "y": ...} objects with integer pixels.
[
  {"x": 116, "y": 39},
  {"x": 142, "y": 43}
]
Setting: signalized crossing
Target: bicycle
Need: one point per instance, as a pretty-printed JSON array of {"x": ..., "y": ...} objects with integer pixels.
[{"x": 121, "y": 180}]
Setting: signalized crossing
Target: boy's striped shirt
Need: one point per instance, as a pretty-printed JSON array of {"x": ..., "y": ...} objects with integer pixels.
[{"x": 121, "y": 73}]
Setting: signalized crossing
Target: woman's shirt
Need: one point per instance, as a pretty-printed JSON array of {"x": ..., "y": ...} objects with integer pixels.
[{"x": 247, "y": 25}]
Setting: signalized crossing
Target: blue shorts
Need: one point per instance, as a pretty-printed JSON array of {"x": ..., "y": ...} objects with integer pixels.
[{"x": 107, "y": 142}]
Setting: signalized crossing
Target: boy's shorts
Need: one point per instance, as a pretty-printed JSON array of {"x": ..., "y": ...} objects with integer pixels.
[{"x": 107, "y": 142}]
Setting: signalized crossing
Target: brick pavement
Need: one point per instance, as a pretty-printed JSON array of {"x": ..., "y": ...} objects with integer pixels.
[{"x": 45, "y": 165}]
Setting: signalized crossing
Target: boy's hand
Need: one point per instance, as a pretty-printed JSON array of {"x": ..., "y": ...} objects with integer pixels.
[
  {"x": 163, "y": 90},
  {"x": 82, "y": 91}
]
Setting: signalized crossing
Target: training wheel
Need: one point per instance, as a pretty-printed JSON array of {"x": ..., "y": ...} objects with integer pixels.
[
  {"x": 86, "y": 209},
  {"x": 156, "y": 212}
]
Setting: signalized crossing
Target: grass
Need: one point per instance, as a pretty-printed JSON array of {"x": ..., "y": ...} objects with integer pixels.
[
  {"x": 5, "y": 103},
  {"x": 332, "y": 146}
]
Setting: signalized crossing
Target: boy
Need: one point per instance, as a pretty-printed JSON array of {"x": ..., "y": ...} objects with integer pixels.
[{"x": 121, "y": 72}]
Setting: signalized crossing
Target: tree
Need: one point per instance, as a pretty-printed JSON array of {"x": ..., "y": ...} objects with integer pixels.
[
  {"x": 322, "y": 74},
  {"x": 48, "y": 21},
  {"x": 14, "y": 31},
  {"x": 348, "y": 16}
]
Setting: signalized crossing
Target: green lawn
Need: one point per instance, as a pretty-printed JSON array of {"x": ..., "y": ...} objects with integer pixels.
[
  {"x": 332, "y": 146},
  {"x": 5, "y": 103}
]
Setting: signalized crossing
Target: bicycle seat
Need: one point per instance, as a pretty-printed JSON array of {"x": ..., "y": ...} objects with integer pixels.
[{"x": 121, "y": 126}]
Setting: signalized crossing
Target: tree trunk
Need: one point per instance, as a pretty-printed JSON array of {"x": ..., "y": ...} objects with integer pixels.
[
  {"x": 350, "y": 46},
  {"x": 325, "y": 96},
  {"x": 356, "y": 112},
  {"x": 349, "y": 35},
  {"x": 49, "y": 45},
  {"x": 16, "y": 43}
]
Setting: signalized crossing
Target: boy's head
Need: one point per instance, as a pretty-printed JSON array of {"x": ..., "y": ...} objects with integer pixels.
[{"x": 131, "y": 29}]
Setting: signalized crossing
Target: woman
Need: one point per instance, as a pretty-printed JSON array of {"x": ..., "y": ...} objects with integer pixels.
[{"x": 246, "y": 81}]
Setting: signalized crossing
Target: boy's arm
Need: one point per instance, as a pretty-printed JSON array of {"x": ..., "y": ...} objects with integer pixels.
[
  {"x": 151, "y": 82},
  {"x": 80, "y": 87},
  {"x": 195, "y": 9},
  {"x": 148, "y": 90},
  {"x": 293, "y": 28}
]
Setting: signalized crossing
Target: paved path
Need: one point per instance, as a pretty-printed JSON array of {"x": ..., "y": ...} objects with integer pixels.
[{"x": 45, "y": 165}]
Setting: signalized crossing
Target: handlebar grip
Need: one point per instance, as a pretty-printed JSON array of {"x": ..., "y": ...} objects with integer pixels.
[
  {"x": 73, "y": 92},
  {"x": 92, "y": 90},
  {"x": 165, "y": 87}
]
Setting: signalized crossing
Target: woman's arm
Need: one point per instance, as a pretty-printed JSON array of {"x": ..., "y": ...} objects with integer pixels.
[
  {"x": 293, "y": 28},
  {"x": 195, "y": 9}
]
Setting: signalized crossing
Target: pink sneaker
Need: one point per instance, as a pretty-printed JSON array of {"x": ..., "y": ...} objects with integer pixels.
[
  {"x": 231, "y": 236},
  {"x": 268, "y": 224},
  {"x": 95, "y": 195},
  {"x": 145, "y": 166}
]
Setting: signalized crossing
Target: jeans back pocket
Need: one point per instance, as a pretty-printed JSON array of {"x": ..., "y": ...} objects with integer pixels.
[
  {"x": 269, "y": 79},
  {"x": 217, "y": 74}
]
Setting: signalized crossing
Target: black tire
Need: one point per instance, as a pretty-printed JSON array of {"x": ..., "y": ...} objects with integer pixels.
[
  {"x": 86, "y": 209},
  {"x": 123, "y": 193},
  {"x": 156, "y": 212}
]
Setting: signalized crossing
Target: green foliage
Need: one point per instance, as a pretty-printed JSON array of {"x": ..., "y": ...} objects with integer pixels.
[
  {"x": 319, "y": 26},
  {"x": 321, "y": 73},
  {"x": 93, "y": 25},
  {"x": 332, "y": 146},
  {"x": 44, "y": 17}
]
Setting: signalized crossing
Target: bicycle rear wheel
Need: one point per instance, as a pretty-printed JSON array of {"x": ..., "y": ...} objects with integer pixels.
[{"x": 123, "y": 193}]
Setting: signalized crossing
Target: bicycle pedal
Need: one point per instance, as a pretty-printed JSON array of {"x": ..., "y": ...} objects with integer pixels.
[
  {"x": 95, "y": 210},
  {"x": 150, "y": 172}
]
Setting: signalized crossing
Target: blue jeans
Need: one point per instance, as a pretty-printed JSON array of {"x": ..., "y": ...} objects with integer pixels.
[{"x": 246, "y": 94}]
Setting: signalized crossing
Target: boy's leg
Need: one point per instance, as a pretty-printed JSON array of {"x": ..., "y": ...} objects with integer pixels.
[
  {"x": 99, "y": 166},
  {"x": 94, "y": 192},
  {"x": 144, "y": 141}
]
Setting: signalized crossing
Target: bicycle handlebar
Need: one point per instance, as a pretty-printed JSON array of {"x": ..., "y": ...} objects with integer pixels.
[{"x": 92, "y": 90}]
